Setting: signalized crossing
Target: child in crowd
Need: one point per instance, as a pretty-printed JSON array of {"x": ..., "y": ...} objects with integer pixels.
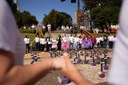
[{"x": 65, "y": 43}]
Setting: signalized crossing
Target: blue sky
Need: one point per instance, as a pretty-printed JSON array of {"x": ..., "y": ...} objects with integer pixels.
[{"x": 40, "y": 7}]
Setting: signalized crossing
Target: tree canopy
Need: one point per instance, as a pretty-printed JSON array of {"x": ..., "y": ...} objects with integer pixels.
[
  {"x": 25, "y": 19},
  {"x": 22, "y": 18},
  {"x": 57, "y": 19},
  {"x": 103, "y": 12}
]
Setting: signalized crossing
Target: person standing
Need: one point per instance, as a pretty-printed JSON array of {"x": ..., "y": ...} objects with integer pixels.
[
  {"x": 110, "y": 39},
  {"x": 65, "y": 43},
  {"x": 49, "y": 29},
  {"x": 50, "y": 43},
  {"x": 67, "y": 29},
  {"x": 101, "y": 41},
  {"x": 71, "y": 40},
  {"x": 80, "y": 42},
  {"x": 93, "y": 41},
  {"x": 89, "y": 42},
  {"x": 59, "y": 43},
  {"x": 76, "y": 40},
  {"x": 42, "y": 43},
  {"x": 105, "y": 39},
  {"x": 47, "y": 46},
  {"x": 27, "y": 43},
  {"x": 44, "y": 29},
  {"x": 37, "y": 43},
  {"x": 97, "y": 41},
  {"x": 71, "y": 30}
]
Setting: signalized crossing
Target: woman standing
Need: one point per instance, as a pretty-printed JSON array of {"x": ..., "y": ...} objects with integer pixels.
[
  {"x": 65, "y": 43},
  {"x": 59, "y": 43}
]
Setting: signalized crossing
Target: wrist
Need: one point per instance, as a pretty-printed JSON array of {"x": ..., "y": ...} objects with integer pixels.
[
  {"x": 81, "y": 80},
  {"x": 52, "y": 64},
  {"x": 52, "y": 67},
  {"x": 84, "y": 81},
  {"x": 49, "y": 62},
  {"x": 57, "y": 63}
]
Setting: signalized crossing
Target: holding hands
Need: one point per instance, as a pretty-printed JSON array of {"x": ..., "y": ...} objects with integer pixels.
[{"x": 69, "y": 70}]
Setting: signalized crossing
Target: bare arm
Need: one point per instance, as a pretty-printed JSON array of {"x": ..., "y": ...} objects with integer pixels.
[
  {"x": 11, "y": 74},
  {"x": 21, "y": 75}
]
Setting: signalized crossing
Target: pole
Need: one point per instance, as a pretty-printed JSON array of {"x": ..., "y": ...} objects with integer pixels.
[
  {"x": 78, "y": 4},
  {"x": 78, "y": 17}
]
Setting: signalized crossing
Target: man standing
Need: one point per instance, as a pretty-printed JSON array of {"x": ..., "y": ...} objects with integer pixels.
[
  {"x": 44, "y": 29},
  {"x": 27, "y": 43},
  {"x": 49, "y": 28}
]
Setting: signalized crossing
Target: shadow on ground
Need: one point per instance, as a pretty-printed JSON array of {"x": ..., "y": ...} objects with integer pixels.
[
  {"x": 51, "y": 79},
  {"x": 103, "y": 83}
]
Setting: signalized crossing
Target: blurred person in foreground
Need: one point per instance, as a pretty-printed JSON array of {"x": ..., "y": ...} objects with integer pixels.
[{"x": 118, "y": 74}]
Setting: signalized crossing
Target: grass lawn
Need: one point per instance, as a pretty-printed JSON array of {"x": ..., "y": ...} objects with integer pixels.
[
  {"x": 100, "y": 34},
  {"x": 31, "y": 35},
  {"x": 55, "y": 34}
]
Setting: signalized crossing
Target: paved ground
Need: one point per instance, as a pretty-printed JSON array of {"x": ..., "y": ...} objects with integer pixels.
[{"x": 91, "y": 73}]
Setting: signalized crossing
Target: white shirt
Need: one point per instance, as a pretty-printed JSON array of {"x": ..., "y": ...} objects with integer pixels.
[
  {"x": 114, "y": 39},
  {"x": 101, "y": 38},
  {"x": 43, "y": 27},
  {"x": 80, "y": 40},
  {"x": 50, "y": 41},
  {"x": 26, "y": 40},
  {"x": 37, "y": 39},
  {"x": 10, "y": 39},
  {"x": 64, "y": 39},
  {"x": 110, "y": 38},
  {"x": 97, "y": 40},
  {"x": 71, "y": 39},
  {"x": 76, "y": 40},
  {"x": 118, "y": 74},
  {"x": 49, "y": 27},
  {"x": 42, "y": 41},
  {"x": 67, "y": 27}
]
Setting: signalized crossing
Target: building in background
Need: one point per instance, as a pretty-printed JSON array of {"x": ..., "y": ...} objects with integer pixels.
[{"x": 83, "y": 18}]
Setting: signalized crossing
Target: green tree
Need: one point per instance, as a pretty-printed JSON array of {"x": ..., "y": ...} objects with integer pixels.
[
  {"x": 57, "y": 19},
  {"x": 27, "y": 19},
  {"x": 22, "y": 18},
  {"x": 104, "y": 13}
]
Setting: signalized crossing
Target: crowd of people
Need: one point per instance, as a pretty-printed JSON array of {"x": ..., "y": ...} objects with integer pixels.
[
  {"x": 45, "y": 28},
  {"x": 68, "y": 41},
  {"x": 67, "y": 29}
]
